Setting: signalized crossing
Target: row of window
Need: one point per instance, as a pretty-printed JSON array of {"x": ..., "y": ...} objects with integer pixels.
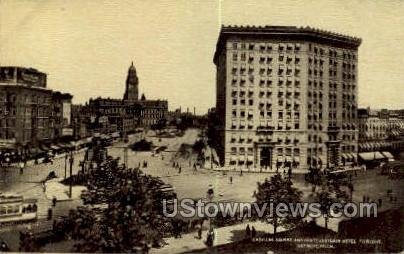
[
  {"x": 268, "y": 47},
  {"x": 265, "y": 82},
  {"x": 332, "y": 53},
  {"x": 287, "y": 151},
  {"x": 282, "y": 71},
  {"x": 266, "y": 59},
  {"x": 348, "y": 149}
]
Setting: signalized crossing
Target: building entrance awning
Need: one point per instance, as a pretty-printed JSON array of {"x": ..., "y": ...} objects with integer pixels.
[{"x": 371, "y": 156}]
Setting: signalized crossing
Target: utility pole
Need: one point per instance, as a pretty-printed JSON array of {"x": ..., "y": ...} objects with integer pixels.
[
  {"x": 125, "y": 149},
  {"x": 66, "y": 165},
  {"x": 71, "y": 172}
]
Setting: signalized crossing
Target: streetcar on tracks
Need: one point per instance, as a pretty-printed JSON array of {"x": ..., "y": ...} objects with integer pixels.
[{"x": 14, "y": 208}]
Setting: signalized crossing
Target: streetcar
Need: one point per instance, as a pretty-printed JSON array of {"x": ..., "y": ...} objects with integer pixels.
[{"x": 14, "y": 208}]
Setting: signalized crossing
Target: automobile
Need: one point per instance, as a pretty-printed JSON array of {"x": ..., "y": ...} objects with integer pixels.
[{"x": 394, "y": 169}]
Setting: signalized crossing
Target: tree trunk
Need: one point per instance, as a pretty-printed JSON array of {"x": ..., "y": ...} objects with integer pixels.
[{"x": 326, "y": 222}]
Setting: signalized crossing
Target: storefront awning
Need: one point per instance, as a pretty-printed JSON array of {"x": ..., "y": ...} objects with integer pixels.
[
  {"x": 388, "y": 155},
  {"x": 369, "y": 156},
  {"x": 344, "y": 156}
]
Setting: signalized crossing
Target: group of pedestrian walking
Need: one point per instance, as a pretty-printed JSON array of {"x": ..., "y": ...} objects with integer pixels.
[
  {"x": 177, "y": 166},
  {"x": 250, "y": 232}
]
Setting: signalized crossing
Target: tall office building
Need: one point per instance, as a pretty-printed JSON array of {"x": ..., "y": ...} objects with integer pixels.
[{"x": 286, "y": 97}]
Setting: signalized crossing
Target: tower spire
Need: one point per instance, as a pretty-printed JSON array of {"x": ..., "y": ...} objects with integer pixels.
[{"x": 132, "y": 83}]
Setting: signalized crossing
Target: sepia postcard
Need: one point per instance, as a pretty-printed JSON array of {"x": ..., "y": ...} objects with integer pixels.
[{"x": 215, "y": 126}]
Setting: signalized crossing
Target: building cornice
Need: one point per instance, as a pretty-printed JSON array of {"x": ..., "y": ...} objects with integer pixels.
[{"x": 285, "y": 33}]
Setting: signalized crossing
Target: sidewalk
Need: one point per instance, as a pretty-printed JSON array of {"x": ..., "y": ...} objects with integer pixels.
[
  {"x": 60, "y": 191},
  {"x": 223, "y": 235}
]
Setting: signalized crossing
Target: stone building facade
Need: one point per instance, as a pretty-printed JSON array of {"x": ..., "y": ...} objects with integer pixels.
[
  {"x": 286, "y": 96},
  {"x": 31, "y": 115},
  {"x": 380, "y": 130},
  {"x": 151, "y": 111}
]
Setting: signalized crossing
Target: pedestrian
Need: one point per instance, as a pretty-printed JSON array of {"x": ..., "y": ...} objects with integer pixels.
[
  {"x": 50, "y": 213},
  {"x": 54, "y": 200},
  {"x": 247, "y": 231},
  {"x": 254, "y": 194},
  {"x": 179, "y": 170},
  {"x": 253, "y": 232},
  {"x": 200, "y": 233},
  {"x": 22, "y": 167},
  {"x": 241, "y": 172},
  {"x": 231, "y": 179},
  {"x": 173, "y": 164},
  {"x": 210, "y": 238}
]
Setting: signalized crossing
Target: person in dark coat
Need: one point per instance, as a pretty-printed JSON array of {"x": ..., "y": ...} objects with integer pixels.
[
  {"x": 248, "y": 231},
  {"x": 253, "y": 232}
]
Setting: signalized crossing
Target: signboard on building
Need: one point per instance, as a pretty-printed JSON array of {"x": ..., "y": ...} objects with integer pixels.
[
  {"x": 67, "y": 112},
  {"x": 31, "y": 77},
  {"x": 7, "y": 143},
  {"x": 67, "y": 132}
]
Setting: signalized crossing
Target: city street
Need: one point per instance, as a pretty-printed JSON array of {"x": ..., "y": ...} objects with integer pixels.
[
  {"x": 187, "y": 184},
  {"x": 29, "y": 183}
]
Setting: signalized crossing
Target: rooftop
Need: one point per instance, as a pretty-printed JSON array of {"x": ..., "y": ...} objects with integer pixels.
[{"x": 287, "y": 32}]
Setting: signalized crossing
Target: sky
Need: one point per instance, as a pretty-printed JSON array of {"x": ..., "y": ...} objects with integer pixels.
[{"x": 87, "y": 46}]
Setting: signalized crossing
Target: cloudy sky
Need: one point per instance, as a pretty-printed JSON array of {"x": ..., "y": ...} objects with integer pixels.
[{"x": 86, "y": 47}]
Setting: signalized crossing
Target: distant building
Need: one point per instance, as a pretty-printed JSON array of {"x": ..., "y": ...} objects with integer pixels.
[
  {"x": 81, "y": 119},
  {"x": 31, "y": 115},
  {"x": 108, "y": 115},
  {"x": 380, "y": 130},
  {"x": 286, "y": 96},
  {"x": 152, "y": 111},
  {"x": 112, "y": 115}
]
